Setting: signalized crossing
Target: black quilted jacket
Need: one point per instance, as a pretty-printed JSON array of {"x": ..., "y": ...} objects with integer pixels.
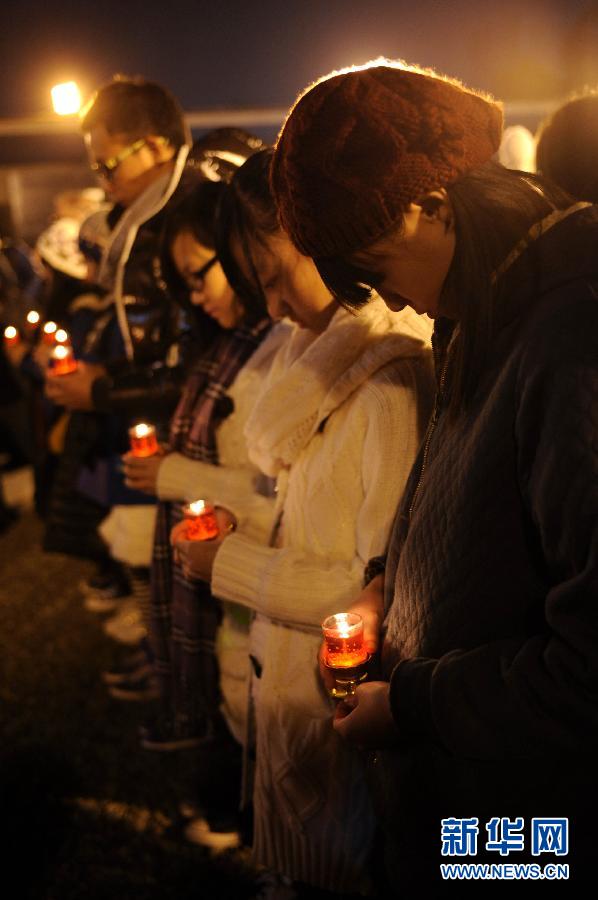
[{"x": 491, "y": 646}]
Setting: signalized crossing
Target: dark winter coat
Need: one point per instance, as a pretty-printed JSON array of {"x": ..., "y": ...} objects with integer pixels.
[{"x": 491, "y": 642}]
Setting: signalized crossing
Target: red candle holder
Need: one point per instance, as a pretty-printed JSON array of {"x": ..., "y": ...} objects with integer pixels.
[
  {"x": 62, "y": 360},
  {"x": 49, "y": 332},
  {"x": 11, "y": 336},
  {"x": 201, "y": 521},
  {"x": 346, "y": 655},
  {"x": 143, "y": 440}
]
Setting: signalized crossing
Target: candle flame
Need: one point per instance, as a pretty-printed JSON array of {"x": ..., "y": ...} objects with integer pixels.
[
  {"x": 142, "y": 430},
  {"x": 50, "y": 327},
  {"x": 61, "y": 352},
  {"x": 197, "y": 507},
  {"x": 33, "y": 317},
  {"x": 10, "y": 332},
  {"x": 61, "y": 336},
  {"x": 343, "y": 625}
]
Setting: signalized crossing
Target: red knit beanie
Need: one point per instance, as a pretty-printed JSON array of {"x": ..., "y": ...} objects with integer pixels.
[{"x": 359, "y": 146}]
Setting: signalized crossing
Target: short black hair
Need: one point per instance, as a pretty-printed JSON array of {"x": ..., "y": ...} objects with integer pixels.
[{"x": 136, "y": 108}]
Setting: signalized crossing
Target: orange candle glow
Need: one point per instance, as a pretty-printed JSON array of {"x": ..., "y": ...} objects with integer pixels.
[
  {"x": 61, "y": 336},
  {"x": 343, "y": 634},
  {"x": 143, "y": 440},
  {"x": 62, "y": 360},
  {"x": 201, "y": 521},
  {"x": 11, "y": 336},
  {"x": 49, "y": 335},
  {"x": 32, "y": 322}
]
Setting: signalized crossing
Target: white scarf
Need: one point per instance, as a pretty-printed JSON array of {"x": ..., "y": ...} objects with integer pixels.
[
  {"x": 312, "y": 374},
  {"x": 116, "y": 254}
]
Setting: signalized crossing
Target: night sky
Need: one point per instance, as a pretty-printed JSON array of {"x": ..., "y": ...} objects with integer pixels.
[{"x": 262, "y": 52}]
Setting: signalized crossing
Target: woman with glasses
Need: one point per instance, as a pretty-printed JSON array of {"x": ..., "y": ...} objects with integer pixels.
[{"x": 206, "y": 458}]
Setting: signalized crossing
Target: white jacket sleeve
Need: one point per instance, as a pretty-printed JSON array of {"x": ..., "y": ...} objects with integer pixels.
[
  {"x": 180, "y": 478},
  {"x": 301, "y": 589}
]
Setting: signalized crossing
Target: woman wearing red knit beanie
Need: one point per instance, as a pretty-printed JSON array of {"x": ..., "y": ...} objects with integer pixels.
[{"x": 485, "y": 718}]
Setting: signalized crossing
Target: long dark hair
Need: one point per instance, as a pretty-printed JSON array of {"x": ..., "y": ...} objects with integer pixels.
[
  {"x": 246, "y": 217},
  {"x": 196, "y": 214},
  {"x": 493, "y": 208}
]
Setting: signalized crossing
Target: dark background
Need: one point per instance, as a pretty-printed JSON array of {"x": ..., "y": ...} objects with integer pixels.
[
  {"x": 214, "y": 53},
  {"x": 235, "y": 54}
]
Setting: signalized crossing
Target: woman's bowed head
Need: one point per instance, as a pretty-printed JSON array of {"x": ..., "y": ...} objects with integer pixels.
[
  {"x": 384, "y": 175},
  {"x": 361, "y": 167},
  {"x": 361, "y": 145}
]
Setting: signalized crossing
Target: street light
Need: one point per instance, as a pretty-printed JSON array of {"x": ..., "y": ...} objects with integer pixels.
[{"x": 66, "y": 98}]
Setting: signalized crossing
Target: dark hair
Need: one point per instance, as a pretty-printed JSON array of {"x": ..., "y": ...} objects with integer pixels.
[
  {"x": 218, "y": 154},
  {"x": 136, "y": 108},
  {"x": 493, "y": 208},
  {"x": 196, "y": 214},
  {"x": 246, "y": 216},
  {"x": 567, "y": 149}
]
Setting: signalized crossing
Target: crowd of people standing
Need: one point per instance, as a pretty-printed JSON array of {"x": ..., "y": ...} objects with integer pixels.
[{"x": 371, "y": 352}]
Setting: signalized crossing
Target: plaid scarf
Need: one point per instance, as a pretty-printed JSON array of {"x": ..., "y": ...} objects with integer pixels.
[{"x": 184, "y": 616}]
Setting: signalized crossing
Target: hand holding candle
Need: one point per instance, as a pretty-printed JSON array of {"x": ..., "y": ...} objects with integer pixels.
[
  {"x": 62, "y": 360},
  {"x": 76, "y": 391},
  {"x": 196, "y": 557},
  {"x": 141, "y": 472}
]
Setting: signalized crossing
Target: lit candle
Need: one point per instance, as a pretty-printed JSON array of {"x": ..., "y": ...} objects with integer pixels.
[
  {"x": 343, "y": 633},
  {"x": 143, "y": 440},
  {"x": 49, "y": 333},
  {"x": 11, "y": 336},
  {"x": 61, "y": 336},
  {"x": 32, "y": 321},
  {"x": 201, "y": 521},
  {"x": 346, "y": 655},
  {"x": 62, "y": 360}
]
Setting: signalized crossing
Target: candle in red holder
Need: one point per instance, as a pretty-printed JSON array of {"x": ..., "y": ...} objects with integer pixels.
[
  {"x": 62, "y": 360},
  {"x": 343, "y": 633},
  {"x": 143, "y": 440},
  {"x": 346, "y": 656},
  {"x": 201, "y": 521},
  {"x": 11, "y": 336},
  {"x": 49, "y": 333}
]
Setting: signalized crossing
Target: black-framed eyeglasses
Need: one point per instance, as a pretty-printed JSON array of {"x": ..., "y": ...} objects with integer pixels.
[
  {"x": 194, "y": 280},
  {"x": 107, "y": 168}
]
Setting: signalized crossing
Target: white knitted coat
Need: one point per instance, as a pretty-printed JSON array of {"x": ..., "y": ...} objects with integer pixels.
[
  {"x": 237, "y": 484},
  {"x": 339, "y": 423}
]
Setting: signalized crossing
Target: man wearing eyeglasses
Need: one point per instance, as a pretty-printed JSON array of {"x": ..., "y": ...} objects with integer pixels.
[{"x": 137, "y": 142}]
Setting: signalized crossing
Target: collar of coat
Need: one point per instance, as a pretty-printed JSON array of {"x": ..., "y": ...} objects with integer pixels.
[{"x": 312, "y": 375}]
